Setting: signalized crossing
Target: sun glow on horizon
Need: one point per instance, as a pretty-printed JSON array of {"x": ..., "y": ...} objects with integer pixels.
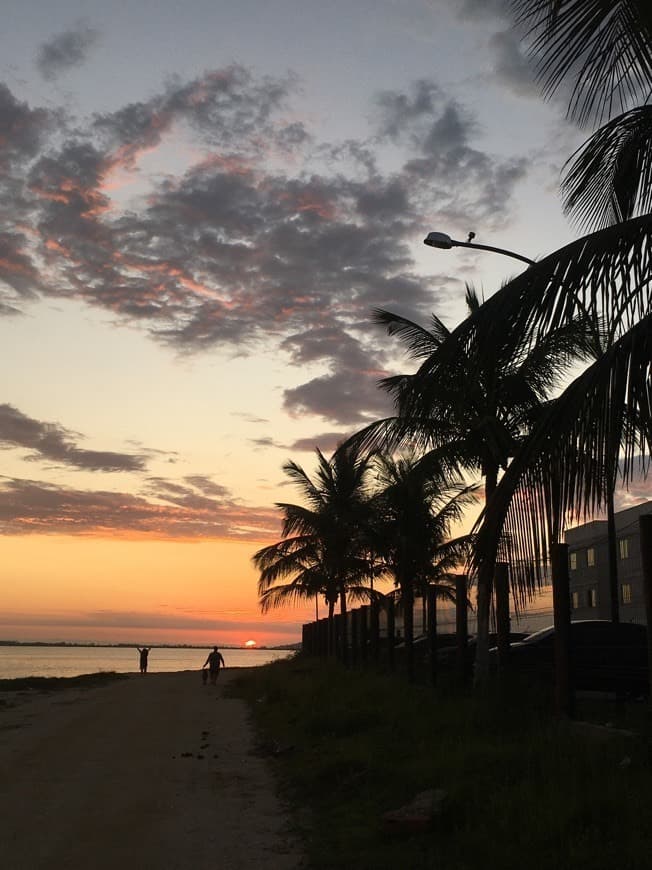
[{"x": 250, "y": 644}]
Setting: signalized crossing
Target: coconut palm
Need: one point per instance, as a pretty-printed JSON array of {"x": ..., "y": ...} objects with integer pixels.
[
  {"x": 299, "y": 558},
  {"x": 414, "y": 510},
  {"x": 475, "y": 400},
  {"x": 603, "y": 416},
  {"x": 324, "y": 546},
  {"x": 601, "y": 425}
]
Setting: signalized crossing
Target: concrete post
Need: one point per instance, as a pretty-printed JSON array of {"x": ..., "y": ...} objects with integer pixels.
[
  {"x": 562, "y": 617},
  {"x": 461, "y": 628},
  {"x": 501, "y": 582}
]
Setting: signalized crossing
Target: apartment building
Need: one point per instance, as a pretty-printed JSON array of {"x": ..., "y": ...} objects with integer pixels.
[{"x": 589, "y": 567}]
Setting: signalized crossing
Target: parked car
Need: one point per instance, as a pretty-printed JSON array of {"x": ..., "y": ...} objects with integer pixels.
[{"x": 605, "y": 656}]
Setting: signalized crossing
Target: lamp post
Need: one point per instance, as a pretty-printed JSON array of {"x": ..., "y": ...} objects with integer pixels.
[
  {"x": 441, "y": 240},
  {"x": 444, "y": 241}
]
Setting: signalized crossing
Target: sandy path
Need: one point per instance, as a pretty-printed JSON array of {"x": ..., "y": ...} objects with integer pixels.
[{"x": 97, "y": 779}]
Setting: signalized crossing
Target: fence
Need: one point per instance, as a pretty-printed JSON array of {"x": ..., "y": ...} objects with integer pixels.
[{"x": 373, "y": 635}]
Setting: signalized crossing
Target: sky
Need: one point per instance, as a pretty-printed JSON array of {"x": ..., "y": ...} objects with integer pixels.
[{"x": 202, "y": 204}]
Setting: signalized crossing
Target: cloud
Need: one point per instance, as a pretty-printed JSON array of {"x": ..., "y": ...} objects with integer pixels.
[
  {"x": 250, "y": 418},
  {"x": 266, "y": 442},
  {"x": 231, "y": 111},
  {"x": 22, "y": 130},
  {"x": 264, "y": 238},
  {"x": 638, "y": 490},
  {"x": 17, "y": 269},
  {"x": 447, "y": 174},
  {"x": 65, "y": 51},
  {"x": 342, "y": 397},
  {"x": 144, "y": 620},
  {"x": 482, "y": 9},
  {"x": 511, "y": 67},
  {"x": 398, "y": 111},
  {"x": 50, "y": 441},
  {"x": 327, "y": 442},
  {"x": 204, "y": 484},
  {"x": 172, "y": 511}
]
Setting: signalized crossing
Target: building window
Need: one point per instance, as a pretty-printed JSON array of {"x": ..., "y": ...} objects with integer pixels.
[
  {"x": 626, "y": 593},
  {"x": 590, "y": 557},
  {"x": 573, "y": 561},
  {"x": 575, "y": 600},
  {"x": 623, "y": 548},
  {"x": 591, "y": 598}
]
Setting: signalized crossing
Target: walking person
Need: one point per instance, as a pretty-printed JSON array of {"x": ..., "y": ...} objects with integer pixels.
[
  {"x": 214, "y": 662},
  {"x": 144, "y": 653}
]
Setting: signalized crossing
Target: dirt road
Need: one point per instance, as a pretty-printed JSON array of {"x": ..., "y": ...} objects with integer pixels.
[{"x": 153, "y": 772}]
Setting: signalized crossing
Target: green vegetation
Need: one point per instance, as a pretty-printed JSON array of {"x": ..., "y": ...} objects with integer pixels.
[
  {"x": 53, "y": 684},
  {"x": 523, "y": 790}
]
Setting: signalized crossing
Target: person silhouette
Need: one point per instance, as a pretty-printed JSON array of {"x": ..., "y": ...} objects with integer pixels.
[
  {"x": 214, "y": 662},
  {"x": 144, "y": 652}
]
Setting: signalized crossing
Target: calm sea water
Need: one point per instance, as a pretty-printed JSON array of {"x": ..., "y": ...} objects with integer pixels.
[{"x": 56, "y": 661}]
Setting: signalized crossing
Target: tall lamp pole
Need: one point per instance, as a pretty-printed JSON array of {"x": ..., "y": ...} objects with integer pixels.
[
  {"x": 444, "y": 241},
  {"x": 441, "y": 240}
]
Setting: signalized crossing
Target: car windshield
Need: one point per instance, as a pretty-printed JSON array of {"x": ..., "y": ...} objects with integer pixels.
[
  {"x": 581, "y": 628},
  {"x": 538, "y": 635}
]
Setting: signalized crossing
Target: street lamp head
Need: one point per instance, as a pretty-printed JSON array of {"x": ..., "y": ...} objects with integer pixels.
[
  {"x": 438, "y": 240},
  {"x": 441, "y": 240}
]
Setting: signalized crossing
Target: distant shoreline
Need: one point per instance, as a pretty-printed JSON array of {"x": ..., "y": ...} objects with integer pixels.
[{"x": 92, "y": 645}]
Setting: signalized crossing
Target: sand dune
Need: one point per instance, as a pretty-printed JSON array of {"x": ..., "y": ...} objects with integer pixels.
[{"x": 151, "y": 772}]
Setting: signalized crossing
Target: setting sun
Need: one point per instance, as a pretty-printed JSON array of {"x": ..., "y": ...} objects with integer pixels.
[{"x": 250, "y": 644}]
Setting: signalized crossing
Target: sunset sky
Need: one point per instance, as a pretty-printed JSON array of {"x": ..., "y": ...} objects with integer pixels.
[{"x": 201, "y": 204}]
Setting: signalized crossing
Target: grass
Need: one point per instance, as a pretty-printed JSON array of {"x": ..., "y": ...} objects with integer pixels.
[{"x": 523, "y": 790}]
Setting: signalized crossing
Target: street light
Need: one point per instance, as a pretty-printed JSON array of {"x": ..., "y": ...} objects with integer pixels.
[{"x": 441, "y": 240}]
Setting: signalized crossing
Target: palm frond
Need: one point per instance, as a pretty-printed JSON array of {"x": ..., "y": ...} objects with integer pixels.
[
  {"x": 384, "y": 436},
  {"x": 454, "y": 553},
  {"x": 610, "y": 177},
  {"x": 604, "y": 47},
  {"x": 301, "y": 479},
  {"x": 282, "y": 596},
  {"x": 418, "y": 340},
  {"x": 324, "y": 545},
  {"x": 297, "y": 520},
  {"x": 603, "y": 420},
  {"x": 604, "y": 276}
]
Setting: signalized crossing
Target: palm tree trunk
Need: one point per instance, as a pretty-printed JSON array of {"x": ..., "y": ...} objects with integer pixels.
[
  {"x": 485, "y": 582},
  {"x": 345, "y": 633},
  {"x": 331, "y": 628},
  {"x": 612, "y": 548},
  {"x": 407, "y": 595}
]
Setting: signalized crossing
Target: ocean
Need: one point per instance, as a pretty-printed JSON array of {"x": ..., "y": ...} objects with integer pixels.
[{"x": 69, "y": 661}]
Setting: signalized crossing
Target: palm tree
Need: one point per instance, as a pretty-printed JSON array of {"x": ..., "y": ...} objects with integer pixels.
[
  {"x": 324, "y": 544},
  {"x": 299, "y": 558},
  {"x": 414, "y": 510},
  {"x": 475, "y": 400},
  {"x": 603, "y": 416},
  {"x": 601, "y": 424}
]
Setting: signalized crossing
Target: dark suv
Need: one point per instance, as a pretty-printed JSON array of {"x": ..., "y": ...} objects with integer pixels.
[{"x": 605, "y": 656}]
